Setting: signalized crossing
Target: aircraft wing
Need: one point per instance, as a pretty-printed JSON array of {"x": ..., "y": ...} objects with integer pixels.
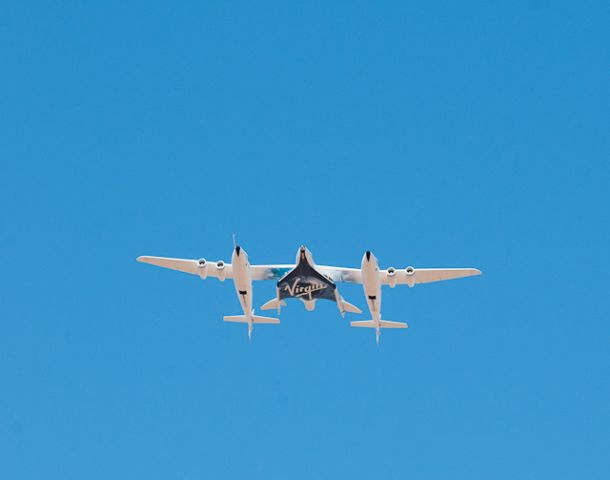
[
  {"x": 426, "y": 275},
  {"x": 191, "y": 266},
  {"x": 259, "y": 272},
  {"x": 336, "y": 274}
]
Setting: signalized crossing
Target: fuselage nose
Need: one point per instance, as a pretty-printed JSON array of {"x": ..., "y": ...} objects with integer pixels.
[
  {"x": 240, "y": 256},
  {"x": 369, "y": 261},
  {"x": 304, "y": 255}
]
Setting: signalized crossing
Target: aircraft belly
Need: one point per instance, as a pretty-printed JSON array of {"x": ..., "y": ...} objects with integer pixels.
[{"x": 305, "y": 283}]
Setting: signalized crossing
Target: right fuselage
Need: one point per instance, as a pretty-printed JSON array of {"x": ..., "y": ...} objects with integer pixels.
[{"x": 371, "y": 283}]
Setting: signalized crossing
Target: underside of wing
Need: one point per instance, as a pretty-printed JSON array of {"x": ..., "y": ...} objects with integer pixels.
[
  {"x": 412, "y": 276},
  {"x": 269, "y": 272},
  {"x": 427, "y": 275},
  {"x": 201, "y": 267}
]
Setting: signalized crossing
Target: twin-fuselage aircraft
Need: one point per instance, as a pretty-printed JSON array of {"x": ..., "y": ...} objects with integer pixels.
[{"x": 309, "y": 282}]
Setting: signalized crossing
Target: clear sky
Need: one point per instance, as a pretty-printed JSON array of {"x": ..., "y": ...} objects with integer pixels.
[{"x": 436, "y": 134}]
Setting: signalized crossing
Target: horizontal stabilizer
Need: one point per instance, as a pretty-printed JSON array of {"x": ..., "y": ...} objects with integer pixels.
[
  {"x": 363, "y": 323},
  {"x": 235, "y": 318},
  {"x": 382, "y": 324},
  {"x": 348, "y": 307},
  {"x": 389, "y": 324},
  {"x": 256, "y": 319},
  {"x": 273, "y": 304}
]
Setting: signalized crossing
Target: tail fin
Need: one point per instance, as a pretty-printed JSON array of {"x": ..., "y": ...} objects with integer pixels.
[
  {"x": 256, "y": 319},
  {"x": 382, "y": 324}
]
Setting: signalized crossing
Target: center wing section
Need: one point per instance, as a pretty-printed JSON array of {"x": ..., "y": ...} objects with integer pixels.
[
  {"x": 336, "y": 274},
  {"x": 270, "y": 272},
  {"x": 341, "y": 274}
]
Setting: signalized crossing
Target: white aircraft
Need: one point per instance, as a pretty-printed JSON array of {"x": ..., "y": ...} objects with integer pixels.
[{"x": 309, "y": 282}]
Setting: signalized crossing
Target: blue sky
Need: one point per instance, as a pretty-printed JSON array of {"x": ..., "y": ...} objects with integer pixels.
[{"x": 433, "y": 133}]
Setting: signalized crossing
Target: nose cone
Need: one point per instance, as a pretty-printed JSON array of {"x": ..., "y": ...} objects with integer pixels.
[
  {"x": 304, "y": 255},
  {"x": 239, "y": 256},
  {"x": 368, "y": 260}
]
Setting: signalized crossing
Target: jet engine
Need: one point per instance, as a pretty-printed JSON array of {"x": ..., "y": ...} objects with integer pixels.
[
  {"x": 410, "y": 272},
  {"x": 202, "y": 267},
  {"x": 220, "y": 267},
  {"x": 391, "y": 277}
]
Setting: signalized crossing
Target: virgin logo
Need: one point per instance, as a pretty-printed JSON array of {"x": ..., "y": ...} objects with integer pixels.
[{"x": 297, "y": 290}]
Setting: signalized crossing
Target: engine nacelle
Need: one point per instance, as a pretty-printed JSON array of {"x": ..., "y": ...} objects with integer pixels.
[
  {"x": 202, "y": 267},
  {"x": 410, "y": 272},
  {"x": 220, "y": 270},
  {"x": 391, "y": 277}
]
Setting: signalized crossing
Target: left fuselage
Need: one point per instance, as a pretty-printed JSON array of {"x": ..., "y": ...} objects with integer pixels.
[{"x": 242, "y": 279}]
